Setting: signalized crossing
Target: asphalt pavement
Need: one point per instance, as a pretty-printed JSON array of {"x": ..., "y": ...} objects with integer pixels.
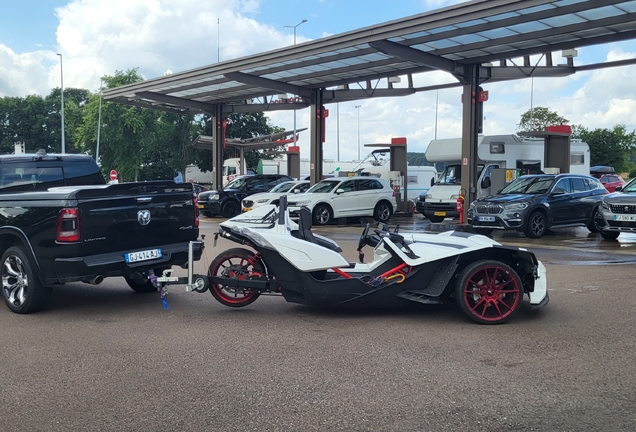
[{"x": 106, "y": 358}]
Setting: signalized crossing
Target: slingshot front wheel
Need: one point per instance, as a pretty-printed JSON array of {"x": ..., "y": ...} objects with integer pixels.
[
  {"x": 239, "y": 264},
  {"x": 489, "y": 292}
]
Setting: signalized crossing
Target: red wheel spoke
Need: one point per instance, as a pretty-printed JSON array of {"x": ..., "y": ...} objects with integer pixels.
[
  {"x": 503, "y": 303},
  {"x": 507, "y": 291},
  {"x": 502, "y": 284},
  {"x": 495, "y": 303},
  {"x": 481, "y": 300}
]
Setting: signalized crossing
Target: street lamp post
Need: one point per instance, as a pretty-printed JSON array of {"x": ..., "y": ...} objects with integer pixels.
[
  {"x": 294, "y": 27},
  {"x": 358, "y": 108},
  {"x": 62, "y": 103},
  {"x": 99, "y": 121}
]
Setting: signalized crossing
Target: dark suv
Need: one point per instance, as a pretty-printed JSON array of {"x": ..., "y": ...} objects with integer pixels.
[
  {"x": 227, "y": 202},
  {"x": 535, "y": 203}
]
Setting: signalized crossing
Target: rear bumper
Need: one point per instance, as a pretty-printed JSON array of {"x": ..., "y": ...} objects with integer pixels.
[{"x": 114, "y": 263}]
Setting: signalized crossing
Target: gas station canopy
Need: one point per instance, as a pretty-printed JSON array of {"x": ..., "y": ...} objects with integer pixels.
[{"x": 488, "y": 33}]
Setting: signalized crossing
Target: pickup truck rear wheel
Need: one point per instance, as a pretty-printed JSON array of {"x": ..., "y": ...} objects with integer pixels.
[
  {"x": 146, "y": 287},
  {"x": 21, "y": 289},
  {"x": 236, "y": 263}
]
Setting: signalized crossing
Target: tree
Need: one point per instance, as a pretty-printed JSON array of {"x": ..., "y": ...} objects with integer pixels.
[
  {"x": 537, "y": 119},
  {"x": 611, "y": 147}
]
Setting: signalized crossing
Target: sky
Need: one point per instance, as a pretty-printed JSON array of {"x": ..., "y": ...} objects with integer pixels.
[{"x": 99, "y": 37}]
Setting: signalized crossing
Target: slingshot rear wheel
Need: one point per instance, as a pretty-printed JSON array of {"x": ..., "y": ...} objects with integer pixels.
[
  {"x": 489, "y": 292},
  {"x": 239, "y": 264}
]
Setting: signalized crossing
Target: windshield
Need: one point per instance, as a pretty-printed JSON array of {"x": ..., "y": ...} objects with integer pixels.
[
  {"x": 452, "y": 175},
  {"x": 237, "y": 183},
  {"x": 630, "y": 187},
  {"x": 283, "y": 187},
  {"x": 323, "y": 187},
  {"x": 529, "y": 185}
]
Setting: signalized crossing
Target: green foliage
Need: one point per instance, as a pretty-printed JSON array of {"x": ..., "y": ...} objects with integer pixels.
[
  {"x": 611, "y": 147},
  {"x": 417, "y": 159},
  {"x": 537, "y": 119}
]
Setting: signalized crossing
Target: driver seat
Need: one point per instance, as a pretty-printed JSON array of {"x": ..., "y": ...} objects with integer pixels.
[{"x": 304, "y": 231}]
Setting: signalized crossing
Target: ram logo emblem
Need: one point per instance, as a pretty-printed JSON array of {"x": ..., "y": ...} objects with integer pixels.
[{"x": 143, "y": 217}]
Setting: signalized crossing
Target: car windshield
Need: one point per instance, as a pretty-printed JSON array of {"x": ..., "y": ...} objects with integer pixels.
[
  {"x": 323, "y": 187},
  {"x": 630, "y": 187},
  {"x": 283, "y": 187},
  {"x": 452, "y": 175},
  {"x": 237, "y": 183},
  {"x": 529, "y": 185}
]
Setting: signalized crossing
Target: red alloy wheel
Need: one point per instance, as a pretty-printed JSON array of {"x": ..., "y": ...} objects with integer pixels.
[
  {"x": 239, "y": 264},
  {"x": 489, "y": 292}
]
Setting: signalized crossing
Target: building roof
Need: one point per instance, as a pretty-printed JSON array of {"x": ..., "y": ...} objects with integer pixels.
[{"x": 480, "y": 32}]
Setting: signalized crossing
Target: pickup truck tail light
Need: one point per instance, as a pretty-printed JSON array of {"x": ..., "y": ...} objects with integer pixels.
[
  {"x": 196, "y": 211},
  {"x": 68, "y": 226}
]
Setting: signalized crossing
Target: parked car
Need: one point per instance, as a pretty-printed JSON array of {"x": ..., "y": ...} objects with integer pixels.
[
  {"x": 600, "y": 170},
  {"x": 227, "y": 202},
  {"x": 199, "y": 188},
  {"x": 340, "y": 197},
  {"x": 271, "y": 197},
  {"x": 619, "y": 212},
  {"x": 612, "y": 181},
  {"x": 535, "y": 203}
]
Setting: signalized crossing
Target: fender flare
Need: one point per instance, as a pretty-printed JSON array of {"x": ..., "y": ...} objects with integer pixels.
[{"x": 17, "y": 233}]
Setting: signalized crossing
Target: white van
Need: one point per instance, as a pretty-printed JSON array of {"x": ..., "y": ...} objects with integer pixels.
[{"x": 494, "y": 151}]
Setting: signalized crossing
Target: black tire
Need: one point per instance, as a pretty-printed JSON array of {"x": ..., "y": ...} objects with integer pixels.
[
  {"x": 489, "y": 292},
  {"x": 230, "y": 209},
  {"x": 436, "y": 219},
  {"x": 483, "y": 231},
  {"x": 208, "y": 214},
  {"x": 322, "y": 214},
  {"x": 382, "y": 211},
  {"x": 21, "y": 289},
  {"x": 610, "y": 235},
  {"x": 598, "y": 222},
  {"x": 235, "y": 263},
  {"x": 143, "y": 288},
  {"x": 537, "y": 225}
]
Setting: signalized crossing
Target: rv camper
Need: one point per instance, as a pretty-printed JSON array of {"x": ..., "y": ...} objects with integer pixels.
[{"x": 501, "y": 158}]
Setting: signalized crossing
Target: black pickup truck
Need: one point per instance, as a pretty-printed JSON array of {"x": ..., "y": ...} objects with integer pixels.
[{"x": 60, "y": 222}]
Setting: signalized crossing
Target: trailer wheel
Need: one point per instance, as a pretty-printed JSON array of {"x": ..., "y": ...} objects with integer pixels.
[
  {"x": 239, "y": 264},
  {"x": 489, "y": 292},
  {"x": 21, "y": 289}
]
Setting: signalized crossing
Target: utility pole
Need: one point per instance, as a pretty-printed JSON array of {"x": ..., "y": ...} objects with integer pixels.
[
  {"x": 62, "y": 103},
  {"x": 358, "y": 108}
]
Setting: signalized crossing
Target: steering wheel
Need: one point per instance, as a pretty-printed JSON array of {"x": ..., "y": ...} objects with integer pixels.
[{"x": 363, "y": 237}]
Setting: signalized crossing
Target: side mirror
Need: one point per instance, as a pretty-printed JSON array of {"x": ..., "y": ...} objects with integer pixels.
[
  {"x": 296, "y": 191},
  {"x": 340, "y": 191},
  {"x": 485, "y": 183},
  {"x": 558, "y": 192},
  {"x": 618, "y": 188}
]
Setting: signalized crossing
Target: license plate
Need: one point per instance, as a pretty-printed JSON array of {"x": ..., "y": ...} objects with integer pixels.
[
  {"x": 486, "y": 218},
  {"x": 439, "y": 213},
  {"x": 246, "y": 209},
  {"x": 625, "y": 218},
  {"x": 200, "y": 206},
  {"x": 143, "y": 255}
]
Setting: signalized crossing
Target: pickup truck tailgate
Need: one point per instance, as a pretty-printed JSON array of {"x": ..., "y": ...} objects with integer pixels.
[{"x": 133, "y": 216}]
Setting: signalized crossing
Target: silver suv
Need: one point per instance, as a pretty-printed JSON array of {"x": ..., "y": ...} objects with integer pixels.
[{"x": 619, "y": 212}]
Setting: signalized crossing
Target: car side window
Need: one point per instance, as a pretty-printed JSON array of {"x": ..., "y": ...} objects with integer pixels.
[
  {"x": 563, "y": 185},
  {"x": 348, "y": 186},
  {"x": 368, "y": 184},
  {"x": 594, "y": 184},
  {"x": 578, "y": 185}
]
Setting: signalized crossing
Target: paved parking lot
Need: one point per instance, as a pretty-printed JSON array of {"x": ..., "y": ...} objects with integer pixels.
[{"x": 105, "y": 358}]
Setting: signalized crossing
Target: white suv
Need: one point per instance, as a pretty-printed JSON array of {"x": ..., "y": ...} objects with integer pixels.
[{"x": 341, "y": 197}]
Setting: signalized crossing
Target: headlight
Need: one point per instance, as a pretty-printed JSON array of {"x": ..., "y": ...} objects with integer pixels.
[
  {"x": 214, "y": 197},
  {"x": 605, "y": 205},
  {"x": 472, "y": 205},
  {"x": 261, "y": 201},
  {"x": 302, "y": 203},
  {"x": 516, "y": 206},
  {"x": 429, "y": 196}
]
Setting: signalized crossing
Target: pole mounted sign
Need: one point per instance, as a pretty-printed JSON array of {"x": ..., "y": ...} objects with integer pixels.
[{"x": 113, "y": 175}]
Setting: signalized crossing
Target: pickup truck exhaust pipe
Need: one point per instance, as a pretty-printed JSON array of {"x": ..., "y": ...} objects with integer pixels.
[{"x": 96, "y": 280}]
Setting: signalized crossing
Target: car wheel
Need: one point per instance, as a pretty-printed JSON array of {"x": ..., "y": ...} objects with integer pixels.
[
  {"x": 239, "y": 264},
  {"x": 610, "y": 235},
  {"x": 21, "y": 289},
  {"x": 483, "y": 231},
  {"x": 382, "y": 212},
  {"x": 436, "y": 219},
  {"x": 322, "y": 214},
  {"x": 230, "y": 209},
  {"x": 536, "y": 226},
  {"x": 489, "y": 292},
  {"x": 208, "y": 214},
  {"x": 598, "y": 222}
]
